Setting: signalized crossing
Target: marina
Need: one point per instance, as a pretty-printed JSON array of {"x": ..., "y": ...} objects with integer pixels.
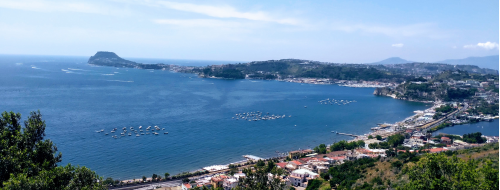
[
  {"x": 137, "y": 133},
  {"x": 335, "y": 102},
  {"x": 257, "y": 116}
]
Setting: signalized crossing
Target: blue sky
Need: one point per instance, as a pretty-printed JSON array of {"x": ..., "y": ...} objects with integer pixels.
[{"x": 333, "y": 31}]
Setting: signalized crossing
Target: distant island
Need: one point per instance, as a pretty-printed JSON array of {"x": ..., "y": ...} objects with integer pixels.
[{"x": 104, "y": 58}]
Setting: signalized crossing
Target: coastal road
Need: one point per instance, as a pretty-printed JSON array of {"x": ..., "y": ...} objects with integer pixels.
[{"x": 172, "y": 183}]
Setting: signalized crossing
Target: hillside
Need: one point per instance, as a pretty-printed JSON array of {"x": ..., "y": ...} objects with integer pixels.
[
  {"x": 447, "y": 170},
  {"x": 490, "y": 62},
  {"x": 104, "y": 58},
  {"x": 392, "y": 60}
]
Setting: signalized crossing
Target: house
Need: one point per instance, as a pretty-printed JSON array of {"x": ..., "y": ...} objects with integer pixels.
[
  {"x": 186, "y": 186},
  {"x": 446, "y": 140},
  {"x": 300, "y": 177},
  {"x": 371, "y": 141},
  {"x": 293, "y": 165},
  {"x": 230, "y": 183},
  {"x": 281, "y": 165}
]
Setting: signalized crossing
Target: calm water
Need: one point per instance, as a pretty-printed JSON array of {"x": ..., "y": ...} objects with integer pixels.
[
  {"x": 486, "y": 128},
  {"x": 77, "y": 99}
]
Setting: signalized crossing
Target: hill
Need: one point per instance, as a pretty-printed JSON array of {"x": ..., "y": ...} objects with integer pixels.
[
  {"x": 490, "y": 62},
  {"x": 392, "y": 60},
  {"x": 104, "y": 58}
]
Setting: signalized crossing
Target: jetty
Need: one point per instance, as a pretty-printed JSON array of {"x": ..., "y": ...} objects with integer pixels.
[
  {"x": 352, "y": 135},
  {"x": 252, "y": 157}
]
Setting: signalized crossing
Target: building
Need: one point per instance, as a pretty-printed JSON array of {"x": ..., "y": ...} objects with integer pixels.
[
  {"x": 446, "y": 140},
  {"x": 300, "y": 177},
  {"x": 371, "y": 141},
  {"x": 299, "y": 153},
  {"x": 186, "y": 186}
]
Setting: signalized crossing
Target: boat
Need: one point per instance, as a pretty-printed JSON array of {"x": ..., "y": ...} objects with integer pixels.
[
  {"x": 305, "y": 106},
  {"x": 165, "y": 133},
  {"x": 130, "y": 134},
  {"x": 137, "y": 135},
  {"x": 106, "y": 134}
]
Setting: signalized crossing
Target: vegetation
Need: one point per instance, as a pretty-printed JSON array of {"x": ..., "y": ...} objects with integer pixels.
[
  {"x": 27, "y": 161},
  {"x": 321, "y": 149},
  {"x": 258, "y": 179},
  {"x": 437, "y": 171},
  {"x": 392, "y": 141},
  {"x": 344, "y": 145},
  {"x": 345, "y": 175},
  {"x": 474, "y": 138}
]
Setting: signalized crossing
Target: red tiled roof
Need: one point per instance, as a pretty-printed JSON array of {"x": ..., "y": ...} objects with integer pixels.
[
  {"x": 296, "y": 162},
  {"x": 187, "y": 185},
  {"x": 443, "y": 138},
  {"x": 434, "y": 150},
  {"x": 363, "y": 150},
  {"x": 281, "y": 164},
  {"x": 337, "y": 157}
]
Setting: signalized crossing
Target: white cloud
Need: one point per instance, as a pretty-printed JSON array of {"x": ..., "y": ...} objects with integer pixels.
[
  {"x": 60, "y": 6},
  {"x": 487, "y": 45},
  {"x": 398, "y": 45},
  {"x": 454, "y": 47},
  {"x": 222, "y": 11}
]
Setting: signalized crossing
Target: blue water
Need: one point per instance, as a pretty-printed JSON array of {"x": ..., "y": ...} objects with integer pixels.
[
  {"x": 486, "y": 128},
  {"x": 77, "y": 99}
]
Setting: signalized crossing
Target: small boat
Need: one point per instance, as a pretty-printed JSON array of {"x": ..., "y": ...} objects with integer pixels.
[
  {"x": 106, "y": 134},
  {"x": 130, "y": 134},
  {"x": 305, "y": 106},
  {"x": 137, "y": 135},
  {"x": 165, "y": 133}
]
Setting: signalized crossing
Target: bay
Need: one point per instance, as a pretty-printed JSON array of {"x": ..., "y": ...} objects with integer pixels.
[
  {"x": 485, "y": 128},
  {"x": 76, "y": 99}
]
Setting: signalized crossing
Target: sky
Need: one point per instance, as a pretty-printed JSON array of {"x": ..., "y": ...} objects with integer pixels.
[{"x": 252, "y": 30}]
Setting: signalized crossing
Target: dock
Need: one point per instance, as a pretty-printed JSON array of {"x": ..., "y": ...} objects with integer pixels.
[{"x": 347, "y": 134}]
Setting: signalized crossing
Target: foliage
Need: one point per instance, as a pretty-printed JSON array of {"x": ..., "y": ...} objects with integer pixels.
[
  {"x": 321, "y": 149},
  {"x": 437, "y": 171},
  {"x": 344, "y": 145},
  {"x": 378, "y": 137},
  {"x": 474, "y": 138},
  {"x": 444, "y": 109},
  {"x": 259, "y": 180},
  {"x": 27, "y": 161},
  {"x": 345, "y": 175},
  {"x": 459, "y": 93},
  {"x": 313, "y": 184}
]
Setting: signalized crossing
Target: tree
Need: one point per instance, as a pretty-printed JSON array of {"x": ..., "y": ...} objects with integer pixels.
[
  {"x": 166, "y": 175},
  {"x": 437, "y": 171},
  {"x": 378, "y": 137},
  {"x": 370, "y": 137},
  {"x": 154, "y": 177},
  {"x": 27, "y": 161},
  {"x": 185, "y": 180},
  {"x": 259, "y": 180},
  {"x": 144, "y": 178}
]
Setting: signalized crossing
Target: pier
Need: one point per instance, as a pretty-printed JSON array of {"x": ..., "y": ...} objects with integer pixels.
[
  {"x": 251, "y": 157},
  {"x": 347, "y": 134}
]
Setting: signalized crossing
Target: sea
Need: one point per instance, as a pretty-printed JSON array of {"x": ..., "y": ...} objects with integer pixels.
[{"x": 77, "y": 100}]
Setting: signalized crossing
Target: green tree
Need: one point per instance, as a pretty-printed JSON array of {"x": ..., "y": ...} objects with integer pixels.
[
  {"x": 144, "y": 178},
  {"x": 437, "y": 171},
  {"x": 27, "y": 161},
  {"x": 167, "y": 175},
  {"x": 154, "y": 177},
  {"x": 378, "y": 137}
]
